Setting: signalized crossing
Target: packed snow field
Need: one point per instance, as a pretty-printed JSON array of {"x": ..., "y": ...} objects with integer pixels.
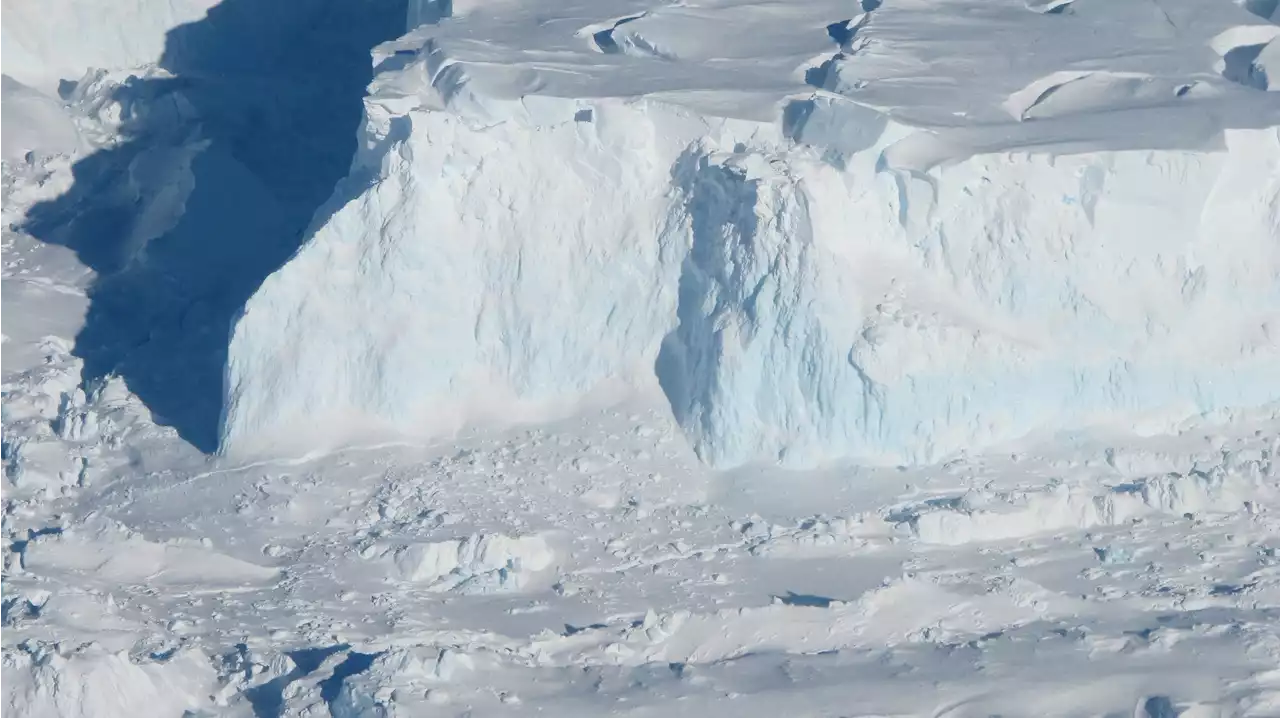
[{"x": 619, "y": 357}]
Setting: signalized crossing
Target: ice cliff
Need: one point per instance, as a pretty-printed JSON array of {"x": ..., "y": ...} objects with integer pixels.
[{"x": 886, "y": 235}]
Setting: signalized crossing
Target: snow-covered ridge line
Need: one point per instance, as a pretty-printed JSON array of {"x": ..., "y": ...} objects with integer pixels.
[{"x": 808, "y": 287}]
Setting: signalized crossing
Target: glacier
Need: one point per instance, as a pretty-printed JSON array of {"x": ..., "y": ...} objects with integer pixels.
[
  {"x": 834, "y": 240},
  {"x": 53, "y": 40}
]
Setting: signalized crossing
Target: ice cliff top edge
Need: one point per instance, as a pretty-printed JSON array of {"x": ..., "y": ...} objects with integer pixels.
[{"x": 1091, "y": 74}]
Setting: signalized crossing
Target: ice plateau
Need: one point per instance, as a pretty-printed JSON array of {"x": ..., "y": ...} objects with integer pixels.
[
  {"x": 55, "y": 40},
  {"x": 827, "y": 237}
]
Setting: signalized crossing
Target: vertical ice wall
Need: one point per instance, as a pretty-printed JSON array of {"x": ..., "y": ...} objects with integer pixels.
[
  {"x": 754, "y": 367},
  {"x": 831, "y": 313},
  {"x": 482, "y": 275}
]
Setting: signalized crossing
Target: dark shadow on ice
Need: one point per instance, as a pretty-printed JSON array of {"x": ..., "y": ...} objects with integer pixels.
[
  {"x": 251, "y": 135},
  {"x": 267, "y": 699},
  {"x": 806, "y": 600},
  {"x": 355, "y": 663}
]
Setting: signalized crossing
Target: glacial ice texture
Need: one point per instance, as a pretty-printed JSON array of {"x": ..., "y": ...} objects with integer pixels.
[{"x": 807, "y": 278}]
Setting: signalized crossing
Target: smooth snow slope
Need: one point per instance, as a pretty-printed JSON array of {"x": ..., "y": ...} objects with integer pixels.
[
  {"x": 52, "y": 40},
  {"x": 34, "y": 122},
  {"x": 250, "y": 113},
  {"x": 884, "y": 234}
]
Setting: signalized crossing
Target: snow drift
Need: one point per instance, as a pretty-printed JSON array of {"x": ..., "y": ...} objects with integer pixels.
[
  {"x": 44, "y": 681},
  {"x": 812, "y": 268}
]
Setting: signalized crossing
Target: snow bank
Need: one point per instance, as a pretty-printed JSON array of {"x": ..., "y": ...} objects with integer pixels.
[
  {"x": 808, "y": 276},
  {"x": 44, "y": 681},
  {"x": 900, "y": 611},
  {"x": 35, "y": 122},
  {"x": 1063, "y": 507},
  {"x": 111, "y": 553},
  {"x": 905, "y": 317},
  {"x": 480, "y": 563},
  {"x": 53, "y": 40}
]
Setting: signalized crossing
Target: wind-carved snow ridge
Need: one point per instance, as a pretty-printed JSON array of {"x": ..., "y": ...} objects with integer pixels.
[
  {"x": 53, "y": 680},
  {"x": 535, "y": 222},
  {"x": 1063, "y": 507}
]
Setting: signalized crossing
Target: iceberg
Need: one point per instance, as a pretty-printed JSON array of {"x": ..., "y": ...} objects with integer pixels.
[{"x": 823, "y": 238}]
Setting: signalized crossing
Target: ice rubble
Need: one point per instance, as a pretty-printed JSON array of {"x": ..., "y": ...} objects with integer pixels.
[
  {"x": 52, "y": 680},
  {"x": 535, "y": 220}
]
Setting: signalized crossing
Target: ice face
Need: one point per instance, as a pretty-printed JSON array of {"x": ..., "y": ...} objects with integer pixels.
[{"x": 808, "y": 277}]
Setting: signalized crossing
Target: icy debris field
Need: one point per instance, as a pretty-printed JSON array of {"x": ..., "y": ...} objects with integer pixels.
[{"x": 618, "y": 357}]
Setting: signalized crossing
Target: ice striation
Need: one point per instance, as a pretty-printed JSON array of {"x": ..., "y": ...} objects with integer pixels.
[{"x": 811, "y": 263}]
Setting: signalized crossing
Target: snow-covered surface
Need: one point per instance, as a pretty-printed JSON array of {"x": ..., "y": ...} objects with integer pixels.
[
  {"x": 1007, "y": 272},
  {"x": 49, "y": 41},
  {"x": 36, "y": 122}
]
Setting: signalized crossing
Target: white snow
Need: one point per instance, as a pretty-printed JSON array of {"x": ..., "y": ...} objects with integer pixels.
[
  {"x": 44, "y": 681},
  {"x": 479, "y": 563},
  {"x": 915, "y": 357},
  {"x": 52, "y": 40}
]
